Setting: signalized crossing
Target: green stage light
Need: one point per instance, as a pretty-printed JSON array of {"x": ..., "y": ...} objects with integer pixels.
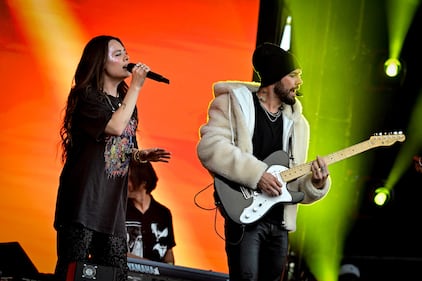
[
  {"x": 392, "y": 67},
  {"x": 382, "y": 196}
]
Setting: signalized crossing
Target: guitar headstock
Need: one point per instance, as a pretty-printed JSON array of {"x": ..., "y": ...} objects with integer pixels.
[{"x": 385, "y": 139}]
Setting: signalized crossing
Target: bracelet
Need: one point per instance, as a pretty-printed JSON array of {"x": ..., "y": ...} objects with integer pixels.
[{"x": 137, "y": 157}]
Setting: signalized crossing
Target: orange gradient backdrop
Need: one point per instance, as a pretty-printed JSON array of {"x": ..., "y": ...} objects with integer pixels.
[{"x": 193, "y": 43}]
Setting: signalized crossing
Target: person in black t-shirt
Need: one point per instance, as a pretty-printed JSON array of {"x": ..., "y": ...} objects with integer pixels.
[
  {"x": 149, "y": 224},
  {"x": 98, "y": 136}
]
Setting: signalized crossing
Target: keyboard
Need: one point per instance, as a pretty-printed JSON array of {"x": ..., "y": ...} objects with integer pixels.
[{"x": 146, "y": 270}]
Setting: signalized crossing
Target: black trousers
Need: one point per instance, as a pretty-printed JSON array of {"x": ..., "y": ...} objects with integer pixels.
[
  {"x": 76, "y": 243},
  {"x": 256, "y": 252}
]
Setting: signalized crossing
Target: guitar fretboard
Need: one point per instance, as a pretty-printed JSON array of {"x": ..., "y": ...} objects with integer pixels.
[{"x": 375, "y": 141}]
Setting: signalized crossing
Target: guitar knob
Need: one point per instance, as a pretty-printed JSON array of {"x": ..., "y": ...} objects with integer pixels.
[{"x": 255, "y": 209}]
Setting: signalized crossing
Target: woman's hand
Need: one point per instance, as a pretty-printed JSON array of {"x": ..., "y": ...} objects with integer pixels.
[
  {"x": 152, "y": 155},
  {"x": 139, "y": 73}
]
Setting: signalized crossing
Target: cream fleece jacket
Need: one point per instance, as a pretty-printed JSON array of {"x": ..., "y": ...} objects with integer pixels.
[{"x": 225, "y": 144}]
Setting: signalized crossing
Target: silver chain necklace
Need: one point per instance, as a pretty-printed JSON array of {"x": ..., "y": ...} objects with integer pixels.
[
  {"x": 110, "y": 103},
  {"x": 271, "y": 116}
]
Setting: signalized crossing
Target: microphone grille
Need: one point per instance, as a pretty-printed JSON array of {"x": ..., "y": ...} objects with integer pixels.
[{"x": 130, "y": 66}]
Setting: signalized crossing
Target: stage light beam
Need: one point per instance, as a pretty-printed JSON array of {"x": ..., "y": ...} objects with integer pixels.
[
  {"x": 287, "y": 34},
  {"x": 400, "y": 15}
]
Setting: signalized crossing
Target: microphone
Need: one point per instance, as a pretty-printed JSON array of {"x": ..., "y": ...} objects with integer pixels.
[{"x": 151, "y": 75}]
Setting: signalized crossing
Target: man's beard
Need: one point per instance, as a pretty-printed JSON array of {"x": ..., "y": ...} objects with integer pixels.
[{"x": 284, "y": 94}]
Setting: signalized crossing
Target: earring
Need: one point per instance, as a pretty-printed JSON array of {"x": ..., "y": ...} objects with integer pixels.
[{"x": 261, "y": 98}]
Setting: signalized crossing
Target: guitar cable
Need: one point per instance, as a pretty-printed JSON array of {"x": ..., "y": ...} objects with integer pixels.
[
  {"x": 218, "y": 209},
  {"x": 196, "y": 196}
]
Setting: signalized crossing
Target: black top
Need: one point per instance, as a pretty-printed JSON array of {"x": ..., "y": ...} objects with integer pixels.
[
  {"x": 268, "y": 138},
  {"x": 93, "y": 182},
  {"x": 268, "y": 135},
  {"x": 156, "y": 227}
]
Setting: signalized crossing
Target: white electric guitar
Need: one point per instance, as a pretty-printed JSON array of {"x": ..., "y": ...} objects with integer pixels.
[{"x": 245, "y": 206}]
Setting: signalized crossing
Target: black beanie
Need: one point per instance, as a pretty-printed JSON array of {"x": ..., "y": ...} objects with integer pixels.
[{"x": 272, "y": 63}]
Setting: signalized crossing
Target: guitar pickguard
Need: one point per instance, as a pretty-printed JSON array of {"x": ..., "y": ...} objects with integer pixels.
[
  {"x": 244, "y": 205},
  {"x": 262, "y": 202}
]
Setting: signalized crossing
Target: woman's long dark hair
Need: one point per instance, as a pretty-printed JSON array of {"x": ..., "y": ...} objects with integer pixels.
[{"x": 89, "y": 75}]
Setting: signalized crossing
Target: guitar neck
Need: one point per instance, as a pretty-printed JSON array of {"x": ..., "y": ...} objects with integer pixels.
[{"x": 302, "y": 169}]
